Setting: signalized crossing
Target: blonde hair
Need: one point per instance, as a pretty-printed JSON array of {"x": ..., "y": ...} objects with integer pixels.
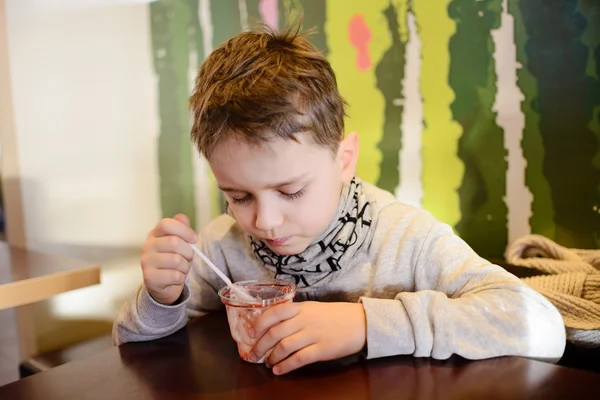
[{"x": 260, "y": 85}]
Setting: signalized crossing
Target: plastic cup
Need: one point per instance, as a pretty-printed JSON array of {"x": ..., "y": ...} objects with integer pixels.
[{"x": 241, "y": 314}]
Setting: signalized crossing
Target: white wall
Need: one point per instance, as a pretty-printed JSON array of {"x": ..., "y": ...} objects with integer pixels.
[{"x": 85, "y": 105}]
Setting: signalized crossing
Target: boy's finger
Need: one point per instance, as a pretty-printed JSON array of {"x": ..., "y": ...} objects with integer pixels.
[
  {"x": 173, "y": 244},
  {"x": 274, "y": 316},
  {"x": 167, "y": 261},
  {"x": 288, "y": 346},
  {"x": 171, "y": 226},
  {"x": 307, "y": 355},
  {"x": 272, "y": 337},
  {"x": 183, "y": 219},
  {"x": 161, "y": 279}
]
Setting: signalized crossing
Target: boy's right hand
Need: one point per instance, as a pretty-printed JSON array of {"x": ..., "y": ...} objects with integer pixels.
[{"x": 167, "y": 257}]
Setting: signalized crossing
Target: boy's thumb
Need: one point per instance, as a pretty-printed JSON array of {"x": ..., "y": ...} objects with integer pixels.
[{"x": 183, "y": 219}]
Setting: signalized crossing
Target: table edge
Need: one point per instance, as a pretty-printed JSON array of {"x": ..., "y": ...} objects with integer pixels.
[{"x": 14, "y": 294}]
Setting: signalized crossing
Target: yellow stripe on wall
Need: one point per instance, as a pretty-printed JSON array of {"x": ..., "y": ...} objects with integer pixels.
[
  {"x": 359, "y": 86},
  {"x": 442, "y": 169}
]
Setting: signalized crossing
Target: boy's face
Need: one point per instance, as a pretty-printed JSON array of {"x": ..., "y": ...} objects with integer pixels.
[{"x": 284, "y": 192}]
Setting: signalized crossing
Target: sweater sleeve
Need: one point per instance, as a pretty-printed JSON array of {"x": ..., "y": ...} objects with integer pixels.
[
  {"x": 142, "y": 318},
  {"x": 461, "y": 304}
]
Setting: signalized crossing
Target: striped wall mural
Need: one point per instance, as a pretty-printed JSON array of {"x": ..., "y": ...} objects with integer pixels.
[{"x": 486, "y": 113}]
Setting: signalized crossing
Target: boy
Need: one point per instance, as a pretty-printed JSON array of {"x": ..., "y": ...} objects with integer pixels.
[{"x": 372, "y": 274}]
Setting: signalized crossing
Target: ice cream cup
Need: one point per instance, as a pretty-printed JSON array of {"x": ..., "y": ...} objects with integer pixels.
[{"x": 241, "y": 313}]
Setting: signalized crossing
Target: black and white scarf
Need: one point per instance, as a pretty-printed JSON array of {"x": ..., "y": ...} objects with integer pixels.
[{"x": 346, "y": 235}]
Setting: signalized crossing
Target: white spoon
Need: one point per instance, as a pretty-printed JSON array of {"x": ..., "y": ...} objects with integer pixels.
[{"x": 241, "y": 294}]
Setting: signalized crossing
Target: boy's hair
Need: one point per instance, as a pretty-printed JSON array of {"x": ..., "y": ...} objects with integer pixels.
[{"x": 261, "y": 85}]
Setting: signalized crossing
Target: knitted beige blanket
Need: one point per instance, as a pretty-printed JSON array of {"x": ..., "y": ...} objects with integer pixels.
[{"x": 572, "y": 283}]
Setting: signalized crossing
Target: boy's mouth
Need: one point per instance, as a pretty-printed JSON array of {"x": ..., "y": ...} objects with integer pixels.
[{"x": 278, "y": 241}]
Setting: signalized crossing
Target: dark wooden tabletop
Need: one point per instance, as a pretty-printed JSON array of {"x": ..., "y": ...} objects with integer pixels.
[{"x": 201, "y": 362}]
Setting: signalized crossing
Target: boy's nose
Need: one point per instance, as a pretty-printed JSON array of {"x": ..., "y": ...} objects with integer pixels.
[{"x": 268, "y": 218}]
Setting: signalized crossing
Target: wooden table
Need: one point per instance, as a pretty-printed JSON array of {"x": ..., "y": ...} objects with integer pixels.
[
  {"x": 28, "y": 276},
  {"x": 201, "y": 362}
]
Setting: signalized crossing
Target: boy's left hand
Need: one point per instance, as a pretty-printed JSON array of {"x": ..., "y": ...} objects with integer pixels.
[{"x": 307, "y": 332}]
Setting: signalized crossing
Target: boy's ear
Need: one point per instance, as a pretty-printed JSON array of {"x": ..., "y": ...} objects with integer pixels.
[{"x": 348, "y": 153}]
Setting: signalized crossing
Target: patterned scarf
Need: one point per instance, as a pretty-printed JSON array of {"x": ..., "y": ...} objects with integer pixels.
[{"x": 345, "y": 236}]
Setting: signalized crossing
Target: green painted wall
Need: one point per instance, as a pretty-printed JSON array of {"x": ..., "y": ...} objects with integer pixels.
[{"x": 553, "y": 53}]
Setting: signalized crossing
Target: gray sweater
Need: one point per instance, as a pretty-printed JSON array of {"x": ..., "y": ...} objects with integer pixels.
[{"x": 425, "y": 292}]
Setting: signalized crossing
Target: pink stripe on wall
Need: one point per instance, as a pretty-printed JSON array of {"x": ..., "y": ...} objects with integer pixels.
[{"x": 269, "y": 13}]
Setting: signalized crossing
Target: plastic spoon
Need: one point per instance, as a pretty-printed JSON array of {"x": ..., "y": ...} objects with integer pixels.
[{"x": 241, "y": 294}]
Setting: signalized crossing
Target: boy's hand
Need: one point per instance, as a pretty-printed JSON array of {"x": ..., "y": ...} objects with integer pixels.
[
  {"x": 166, "y": 258},
  {"x": 307, "y": 332}
]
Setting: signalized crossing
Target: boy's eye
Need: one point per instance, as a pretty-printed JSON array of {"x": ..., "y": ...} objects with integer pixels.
[
  {"x": 247, "y": 198},
  {"x": 242, "y": 200},
  {"x": 293, "y": 196}
]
